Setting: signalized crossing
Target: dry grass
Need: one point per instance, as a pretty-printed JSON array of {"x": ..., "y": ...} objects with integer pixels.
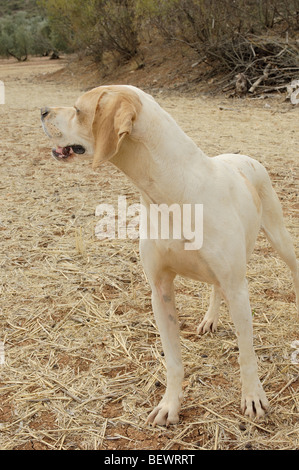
[{"x": 84, "y": 363}]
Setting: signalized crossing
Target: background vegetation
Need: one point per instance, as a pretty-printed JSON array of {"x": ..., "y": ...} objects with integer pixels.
[{"x": 232, "y": 35}]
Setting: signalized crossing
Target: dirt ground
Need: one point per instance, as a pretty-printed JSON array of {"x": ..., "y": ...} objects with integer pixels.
[{"x": 83, "y": 360}]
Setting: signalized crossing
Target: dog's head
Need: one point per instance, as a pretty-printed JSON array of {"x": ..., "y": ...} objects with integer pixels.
[{"x": 96, "y": 125}]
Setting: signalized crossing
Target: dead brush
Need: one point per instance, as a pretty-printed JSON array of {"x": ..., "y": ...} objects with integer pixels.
[{"x": 268, "y": 63}]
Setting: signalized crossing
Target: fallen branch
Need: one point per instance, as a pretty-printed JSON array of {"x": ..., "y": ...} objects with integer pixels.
[{"x": 261, "y": 79}]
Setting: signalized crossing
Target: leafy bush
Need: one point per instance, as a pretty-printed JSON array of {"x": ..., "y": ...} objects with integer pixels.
[
  {"x": 8, "y": 7},
  {"x": 72, "y": 22},
  {"x": 96, "y": 26},
  {"x": 21, "y": 35},
  {"x": 116, "y": 28}
]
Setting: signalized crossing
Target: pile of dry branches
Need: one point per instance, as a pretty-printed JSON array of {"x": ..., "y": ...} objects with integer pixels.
[{"x": 261, "y": 64}]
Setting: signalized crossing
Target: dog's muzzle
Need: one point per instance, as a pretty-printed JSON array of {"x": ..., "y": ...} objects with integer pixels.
[{"x": 60, "y": 152}]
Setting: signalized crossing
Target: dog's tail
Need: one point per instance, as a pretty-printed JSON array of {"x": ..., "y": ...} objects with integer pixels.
[{"x": 275, "y": 230}]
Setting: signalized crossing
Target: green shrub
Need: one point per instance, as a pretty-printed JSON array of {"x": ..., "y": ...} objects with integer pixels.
[
  {"x": 96, "y": 26},
  {"x": 21, "y": 35}
]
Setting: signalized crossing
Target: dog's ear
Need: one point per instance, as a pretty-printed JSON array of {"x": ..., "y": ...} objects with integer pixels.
[{"x": 113, "y": 120}]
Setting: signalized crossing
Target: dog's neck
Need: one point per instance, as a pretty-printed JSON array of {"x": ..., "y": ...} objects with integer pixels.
[{"x": 161, "y": 158}]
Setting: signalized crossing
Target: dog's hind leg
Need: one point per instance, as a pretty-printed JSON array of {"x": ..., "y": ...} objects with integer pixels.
[
  {"x": 254, "y": 401},
  {"x": 210, "y": 320},
  {"x": 278, "y": 236}
]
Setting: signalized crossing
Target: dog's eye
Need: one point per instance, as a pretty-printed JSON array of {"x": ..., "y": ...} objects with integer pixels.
[{"x": 77, "y": 110}]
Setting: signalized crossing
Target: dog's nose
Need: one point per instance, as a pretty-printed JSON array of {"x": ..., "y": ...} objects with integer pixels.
[{"x": 44, "y": 112}]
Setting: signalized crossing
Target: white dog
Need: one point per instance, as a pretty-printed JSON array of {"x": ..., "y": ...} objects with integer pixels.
[{"x": 128, "y": 127}]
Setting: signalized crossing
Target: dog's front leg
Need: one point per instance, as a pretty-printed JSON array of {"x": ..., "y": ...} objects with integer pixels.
[{"x": 167, "y": 412}]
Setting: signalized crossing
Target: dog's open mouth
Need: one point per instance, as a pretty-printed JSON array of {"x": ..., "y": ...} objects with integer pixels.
[{"x": 65, "y": 152}]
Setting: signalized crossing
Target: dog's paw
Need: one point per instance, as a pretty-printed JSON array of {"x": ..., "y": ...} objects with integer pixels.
[
  {"x": 208, "y": 325},
  {"x": 164, "y": 414},
  {"x": 254, "y": 404}
]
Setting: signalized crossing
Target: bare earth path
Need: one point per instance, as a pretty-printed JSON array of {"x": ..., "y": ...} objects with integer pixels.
[{"x": 83, "y": 364}]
